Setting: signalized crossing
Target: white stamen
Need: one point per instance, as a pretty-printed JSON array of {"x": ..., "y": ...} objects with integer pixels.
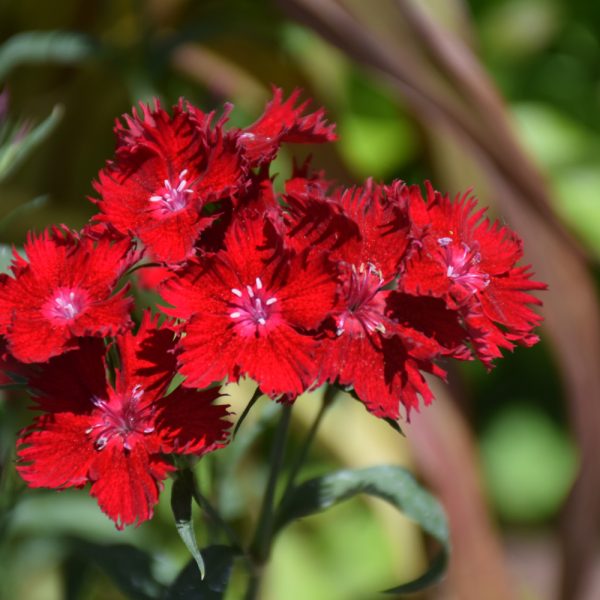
[
  {"x": 258, "y": 283},
  {"x": 444, "y": 241},
  {"x": 237, "y": 292},
  {"x": 271, "y": 301},
  {"x": 250, "y": 291},
  {"x": 261, "y": 320},
  {"x": 235, "y": 315}
]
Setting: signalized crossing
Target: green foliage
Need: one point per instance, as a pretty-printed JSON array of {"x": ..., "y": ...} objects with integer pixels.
[
  {"x": 29, "y": 47},
  {"x": 390, "y": 483},
  {"x": 190, "y": 586},
  {"x": 181, "y": 503},
  {"x": 16, "y": 143},
  {"x": 529, "y": 464}
]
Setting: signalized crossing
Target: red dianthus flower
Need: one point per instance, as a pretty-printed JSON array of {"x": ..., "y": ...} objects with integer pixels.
[
  {"x": 116, "y": 438},
  {"x": 470, "y": 263},
  {"x": 380, "y": 339},
  {"x": 251, "y": 310},
  {"x": 62, "y": 292},
  {"x": 166, "y": 169}
]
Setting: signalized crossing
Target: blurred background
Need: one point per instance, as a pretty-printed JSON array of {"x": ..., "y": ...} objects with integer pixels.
[{"x": 499, "y": 95}]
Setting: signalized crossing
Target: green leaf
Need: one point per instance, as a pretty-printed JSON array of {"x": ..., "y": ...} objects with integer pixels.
[
  {"x": 63, "y": 47},
  {"x": 181, "y": 503},
  {"x": 13, "y": 153},
  {"x": 189, "y": 585},
  {"x": 390, "y": 483},
  {"x": 128, "y": 566}
]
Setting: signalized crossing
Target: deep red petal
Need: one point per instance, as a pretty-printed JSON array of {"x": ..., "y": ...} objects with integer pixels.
[
  {"x": 36, "y": 339},
  {"x": 127, "y": 483},
  {"x": 69, "y": 382},
  {"x": 283, "y": 122},
  {"x": 55, "y": 452},
  {"x": 189, "y": 422},
  {"x": 147, "y": 358}
]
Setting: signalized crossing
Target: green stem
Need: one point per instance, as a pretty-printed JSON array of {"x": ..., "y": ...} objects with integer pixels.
[
  {"x": 213, "y": 514},
  {"x": 328, "y": 396},
  {"x": 261, "y": 544}
]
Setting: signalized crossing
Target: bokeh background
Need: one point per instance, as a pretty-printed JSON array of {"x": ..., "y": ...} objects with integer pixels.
[{"x": 499, "y": 95}]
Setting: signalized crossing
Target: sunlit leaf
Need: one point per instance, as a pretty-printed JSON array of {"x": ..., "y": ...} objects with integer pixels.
[{"x": 390, "y": 483}]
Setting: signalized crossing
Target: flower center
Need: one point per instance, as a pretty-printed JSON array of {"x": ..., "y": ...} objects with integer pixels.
[
  {"x": 462, "y": 265},
  {"x": 366, "y": 304},
  {"x": 65, "y": 305},
  {"x": 252, "y": 306},
  {"x": 120, "y": 417},
  {"x": 173, "y": 198}
]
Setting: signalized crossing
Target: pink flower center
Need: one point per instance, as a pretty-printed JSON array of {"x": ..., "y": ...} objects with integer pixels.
[
  {"x": 252, "y": 307},
  {"x": 120, "y": 417},
  {"x": 65, "y": 305},
  {"x": 173, "y": 198},
  {"x": 462, "y": 265},
  {"x": 366, "y": 304}
]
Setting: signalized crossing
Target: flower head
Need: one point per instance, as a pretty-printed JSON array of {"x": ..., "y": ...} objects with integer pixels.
[
  {"x": 166, "y": 169},
  {"x": 251, "y": 309},
  {"x": 62, "y": 291},
  {"x": 471, "y": 263},
  {"x": 378, "y": 342},
  {"x": 116, "y": 438}
]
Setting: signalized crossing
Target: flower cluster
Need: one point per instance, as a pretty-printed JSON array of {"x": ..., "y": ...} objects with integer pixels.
[{"x": 366, "y": 287}]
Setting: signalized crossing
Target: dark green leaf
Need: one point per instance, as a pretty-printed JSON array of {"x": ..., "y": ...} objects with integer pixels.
[
  {"x": 127, "y": 566},
  {"x": 390, "y": 483},
  {"x": 181, "y": 503},
  {"x": 63, "y": 47},
  {"x": 189, "y": 585}
]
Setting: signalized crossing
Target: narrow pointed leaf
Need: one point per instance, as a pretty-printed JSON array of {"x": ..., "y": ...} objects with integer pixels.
[
  {"x": 390, "y": 483},
  {"x": 13, "y": 153},
  {"x": 63, "y": 47},
  {"x": 181, "y": 504},
  {"x": 189, "y": 586}
]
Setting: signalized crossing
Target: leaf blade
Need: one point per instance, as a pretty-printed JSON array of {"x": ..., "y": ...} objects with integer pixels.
[{"x": 393, "y": 484}]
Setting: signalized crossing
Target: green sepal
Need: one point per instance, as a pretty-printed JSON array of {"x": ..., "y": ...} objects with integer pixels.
[{"x": 181, "y": 504}]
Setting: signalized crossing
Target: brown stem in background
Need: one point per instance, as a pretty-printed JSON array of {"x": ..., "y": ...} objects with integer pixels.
[
  {"x": 335, "y": 22},
  {"x": 445, "y": 453},
  {"x": 478, "y": 122}
]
